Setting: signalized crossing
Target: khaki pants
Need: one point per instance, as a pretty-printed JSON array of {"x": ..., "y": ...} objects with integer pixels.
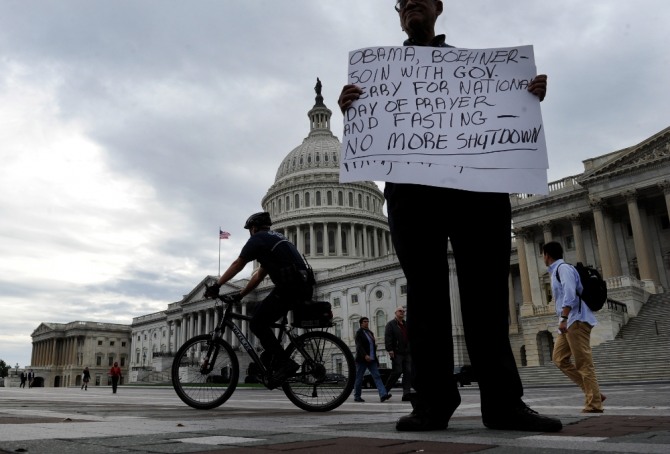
[{"x": 577, "y": 343}]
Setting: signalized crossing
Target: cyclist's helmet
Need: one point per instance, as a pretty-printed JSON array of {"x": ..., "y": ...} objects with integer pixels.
[{"x": 261, "y": 219}]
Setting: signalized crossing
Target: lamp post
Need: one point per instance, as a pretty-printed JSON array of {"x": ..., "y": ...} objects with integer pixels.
[
  {"x": 17, "y": 369},
  {"x": 144, "y": 357}
]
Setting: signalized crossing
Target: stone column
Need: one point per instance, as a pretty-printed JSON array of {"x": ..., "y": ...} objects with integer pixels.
[
  {"x": 546, "y": 230},
  {"x": 365, "y": 250},
  {"x": 312, "y": 241},
  {"x": 513, "y": 318},
  {"x": 665, "y": 187},
  {"x": 338, "y": 240},
  {"x": 299, "y": 240},
  {"x": 575, "y": 220},
  {"x": 169, "y": 336},
  {"x": 639, "y": 238},
  {"x": 615, "y": 261},
  {"x": 352, "y": 241},
  {"x": 527, "y": 296},
  {"x": 597, "y": 206},
  {"x": 207, "y": 322},
  {"x": 54, "y": 352},
  {"x": 385, "y": 246},
  {"x": 651, "y": 250},
  {"x": 326, "y": 240}
]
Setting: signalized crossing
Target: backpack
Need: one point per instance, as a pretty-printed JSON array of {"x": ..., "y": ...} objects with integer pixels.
[{"x": 594, "y": 293}]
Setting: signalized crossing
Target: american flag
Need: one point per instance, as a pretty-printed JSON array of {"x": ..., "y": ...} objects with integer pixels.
[{"x": 223, "y": 235}]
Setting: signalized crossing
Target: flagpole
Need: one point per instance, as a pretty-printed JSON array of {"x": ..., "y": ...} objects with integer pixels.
[{"x": 219, "y": 252}]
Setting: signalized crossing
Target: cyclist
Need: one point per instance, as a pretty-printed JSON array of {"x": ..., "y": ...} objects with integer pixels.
[{"x": 280, "y": 259}]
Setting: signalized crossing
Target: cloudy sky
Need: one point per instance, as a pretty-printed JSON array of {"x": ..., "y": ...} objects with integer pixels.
[{"x": 130, "y": 131}]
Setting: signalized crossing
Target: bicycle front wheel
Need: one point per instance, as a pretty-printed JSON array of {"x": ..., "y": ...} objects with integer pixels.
[
  {"x": 327, "y": 372},
  {"x": 205, "y": 372}
]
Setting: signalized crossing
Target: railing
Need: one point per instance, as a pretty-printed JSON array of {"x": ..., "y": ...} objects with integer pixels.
[
  {"x": 544, "y": 310},
  {"x": 616, "y": 306}
]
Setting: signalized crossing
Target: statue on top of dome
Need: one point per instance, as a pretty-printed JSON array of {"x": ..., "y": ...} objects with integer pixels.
[{"x": 317, "y": 89}]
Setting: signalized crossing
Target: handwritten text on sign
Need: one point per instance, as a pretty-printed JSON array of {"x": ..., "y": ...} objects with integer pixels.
[{"x": 445, "y": 106}]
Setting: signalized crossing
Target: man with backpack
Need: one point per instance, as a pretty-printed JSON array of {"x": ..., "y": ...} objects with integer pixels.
[{"x": 575, "y": 322}]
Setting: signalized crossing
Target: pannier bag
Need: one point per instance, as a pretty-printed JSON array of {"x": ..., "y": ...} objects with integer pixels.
[{"x": 313, "y": 314}]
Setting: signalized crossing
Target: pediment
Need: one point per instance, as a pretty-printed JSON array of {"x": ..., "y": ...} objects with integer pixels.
[{"x": 650, "y": 152}]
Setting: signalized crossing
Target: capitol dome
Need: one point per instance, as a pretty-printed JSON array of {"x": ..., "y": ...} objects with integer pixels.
[{"x": 331, "y": 223}]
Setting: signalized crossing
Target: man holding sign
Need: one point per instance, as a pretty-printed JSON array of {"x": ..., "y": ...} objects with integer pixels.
[{"x": 423, "y": 218}]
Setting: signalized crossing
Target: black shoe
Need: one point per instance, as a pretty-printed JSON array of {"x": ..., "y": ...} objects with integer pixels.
[
  {"x": 385, "y": 397},
  {"x": 421, "y": 421},
  {"x": 427, "y": 417},
  {"x": 358, "y": 399},
  {"x": 407, "y": 397},
  {"x": 521, "y": 417},
  {"x": 284, "y": 371}
]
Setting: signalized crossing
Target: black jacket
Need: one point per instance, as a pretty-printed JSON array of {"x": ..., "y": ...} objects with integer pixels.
[{"x": 363, "y": 346}]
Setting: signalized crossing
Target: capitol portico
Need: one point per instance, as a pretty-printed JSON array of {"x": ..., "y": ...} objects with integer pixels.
[{"x": 613, "y": 216}]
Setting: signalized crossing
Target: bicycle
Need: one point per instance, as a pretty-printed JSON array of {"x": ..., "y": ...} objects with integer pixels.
[{"x": 206, "y": 369}]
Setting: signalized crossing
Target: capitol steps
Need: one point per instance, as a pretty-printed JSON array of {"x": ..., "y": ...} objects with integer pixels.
[{"x": 640, "y": 352}]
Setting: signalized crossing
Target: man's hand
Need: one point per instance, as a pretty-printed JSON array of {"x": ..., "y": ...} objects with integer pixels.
[
  {"x": 538, "y": 86},
  {"x": 237, "y": 297},
  {"x": 212, "y": 291},
  {"x": 350, "y": 93}
]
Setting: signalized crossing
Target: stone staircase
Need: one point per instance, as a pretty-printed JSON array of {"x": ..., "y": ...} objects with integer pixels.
[{"x": 640, "y": 352}]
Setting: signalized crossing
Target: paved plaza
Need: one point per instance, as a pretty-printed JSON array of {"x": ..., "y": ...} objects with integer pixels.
[{"x": 153, "y": 420}]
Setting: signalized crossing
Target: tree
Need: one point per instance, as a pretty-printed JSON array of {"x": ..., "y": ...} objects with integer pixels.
[{"x": 4, "y": 368}]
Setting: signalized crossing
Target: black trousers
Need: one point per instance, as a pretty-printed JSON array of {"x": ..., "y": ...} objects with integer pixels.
[
  {"x": 272, "y": 308},
  {"x": 422, "y": 219}
]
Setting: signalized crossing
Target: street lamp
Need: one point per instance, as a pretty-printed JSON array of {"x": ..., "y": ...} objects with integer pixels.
[
  {"x": 144, "y": 357},
  {"x": 17, "y": 369}
]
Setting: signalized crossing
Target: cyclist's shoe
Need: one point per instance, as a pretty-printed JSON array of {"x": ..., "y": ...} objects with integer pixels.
[{"x": 284, "y": 370}]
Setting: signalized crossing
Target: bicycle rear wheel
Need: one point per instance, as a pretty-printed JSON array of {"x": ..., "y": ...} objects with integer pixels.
[
  {"x": 326, "y": 376},
  {"x": 200, "y": 386}
]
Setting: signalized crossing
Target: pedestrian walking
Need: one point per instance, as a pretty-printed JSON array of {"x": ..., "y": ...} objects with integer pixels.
[
  {"x": 397, "y": 346},
  {"x": 115, "y": 372},
  {"x": 366, "y": 359},
  {"x": 85, "y": 378},
  {"x": 575, "y": 322}
]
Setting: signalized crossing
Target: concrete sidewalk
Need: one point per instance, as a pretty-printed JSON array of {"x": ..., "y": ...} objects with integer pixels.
[{"x": 145, "y": 420}]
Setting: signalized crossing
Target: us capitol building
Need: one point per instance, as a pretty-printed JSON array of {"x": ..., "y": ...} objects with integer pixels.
[{"x": 614, "y": 216}]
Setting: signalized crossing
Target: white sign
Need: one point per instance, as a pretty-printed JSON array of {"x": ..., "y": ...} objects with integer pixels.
[{"x": 459, "y": 118}]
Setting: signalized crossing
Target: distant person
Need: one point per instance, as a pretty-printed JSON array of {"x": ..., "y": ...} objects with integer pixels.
[
  {"x": 86, "y": 377},
  {"x": 115, "y": 372},
  {"x": 31, "y": 378},
  {"x": 425, "y": 222},
  {"x": 575, "y": 322},
  {"x": 366, "y": 359},
  {"x": 23, "y": 377},
  {"x": 397, "y": 346}
]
